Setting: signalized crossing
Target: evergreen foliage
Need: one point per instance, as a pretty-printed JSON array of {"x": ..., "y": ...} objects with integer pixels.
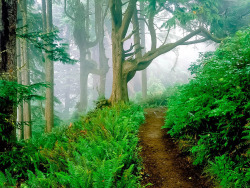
[
  {"x": 211, "y": 114},
  {"x": 13, "y": 93},
  {"x": 99, "y": 150}
]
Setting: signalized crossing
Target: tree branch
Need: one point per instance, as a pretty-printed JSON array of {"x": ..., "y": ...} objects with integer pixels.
[
  {"x": 195, "y": 41},
  {"x": 129, "y": 36},
  {"x": 65, "y": 10},
  {"x": 115, "y": 7},
  {"x": 127, "y": 17},
  {"x": 143, "y": 62},
  {"x": 152, "y": 30},
  {"x": 130, "y": 48}
]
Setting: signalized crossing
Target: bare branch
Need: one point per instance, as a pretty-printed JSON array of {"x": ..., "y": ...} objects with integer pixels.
[
  {"x": 130, "y": 48},
  {"x": 166, "y": 37},
  {"x": 129, "y": 36},
  {"x": 133, "y": 53}
]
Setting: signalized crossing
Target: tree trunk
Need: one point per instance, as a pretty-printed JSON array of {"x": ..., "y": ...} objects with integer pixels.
[
  {"x": 8, "y": 17},
  {"x": 103, "y": 66},
  {"x": 25, "y": 72},
  {"x": 49, "y": 72},
  {"x": 19, "y": 80},
  {"x": 83, "y": 81},
  {"x": 67, "y": 100},
  {"x": 103, "y": 60},
  {"x": 143, "y": 72},
  {"x": 144, "y": 84},
  {"x": 119, "y": 86}
]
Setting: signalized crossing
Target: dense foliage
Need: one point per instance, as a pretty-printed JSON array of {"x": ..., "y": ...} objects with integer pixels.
[
  {"x": 210, "y": 115},
  {"x": 12, "y": 94},
  {"x": 100, "y": 150}
]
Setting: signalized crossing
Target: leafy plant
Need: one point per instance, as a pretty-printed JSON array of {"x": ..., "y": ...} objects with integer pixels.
[
  {"x": 212, "y": 111},
  {"x": 99, "y": 150}
]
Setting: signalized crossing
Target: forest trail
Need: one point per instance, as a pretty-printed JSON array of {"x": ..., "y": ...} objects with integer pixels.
[{"x": 164, "y": 165}]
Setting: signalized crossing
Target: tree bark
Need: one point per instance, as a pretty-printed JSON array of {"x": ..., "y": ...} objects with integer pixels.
[
  {"x": 119, "y": 30},
  {"x": 83, "y": 81},
  {"x": 103, "y": 60},
  {"x": 67, "y": 100},
  {"x": 143, "y": 37},
  {"x": 19, "y": 80},
  {"x": 8, "y": 17},
  {"x": 25, "y": 72},
  {"x": 49, "y": 72},
  {"x": 119, "y": 86}
]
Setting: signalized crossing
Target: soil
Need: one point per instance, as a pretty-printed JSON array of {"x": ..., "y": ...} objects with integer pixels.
[{"x": 164, "y": 165}]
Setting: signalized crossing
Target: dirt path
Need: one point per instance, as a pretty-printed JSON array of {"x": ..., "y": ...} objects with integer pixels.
[{"x": 165, "y": 166}]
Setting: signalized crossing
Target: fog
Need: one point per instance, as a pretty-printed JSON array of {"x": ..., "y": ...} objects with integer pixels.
[{"x": 169, "y": 69}]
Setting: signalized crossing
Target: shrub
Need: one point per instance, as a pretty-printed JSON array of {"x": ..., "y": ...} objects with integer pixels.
[{"x": 213, "y": 111}]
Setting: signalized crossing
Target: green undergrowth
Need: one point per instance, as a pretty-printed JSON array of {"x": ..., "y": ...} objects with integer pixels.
[
  {"x": 99, "y": 150},
  {"x": 210, "y": 115},
  {"x": 156, "y": 99}
]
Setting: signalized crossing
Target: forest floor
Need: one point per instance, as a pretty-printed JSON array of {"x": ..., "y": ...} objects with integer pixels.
[{"x": 164, "y": 165}]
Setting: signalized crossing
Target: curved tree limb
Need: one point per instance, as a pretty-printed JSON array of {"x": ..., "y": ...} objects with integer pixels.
[
  {"x": 65, "y": 10},
  {"x": 143, "y": 62},
  {"x": 127, "y": 17}
]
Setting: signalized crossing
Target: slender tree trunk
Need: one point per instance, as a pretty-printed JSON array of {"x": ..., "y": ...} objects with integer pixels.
[
  {"x": 103, "y": 60},
  {"x": 8, "y": 17},
  {"x": 19, "y": 80},
  {"x": 103, "y": 66},
  {"x": 49, "y": 72},
  {"x": 25, "y": 72},
  {"x": 143, "y": 72},
  {"x": 83, "y": 81},
  {"x": 67, "y": 102}
]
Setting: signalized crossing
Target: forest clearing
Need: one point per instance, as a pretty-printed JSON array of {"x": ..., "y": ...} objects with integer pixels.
[{"x": 124, "y": 93}]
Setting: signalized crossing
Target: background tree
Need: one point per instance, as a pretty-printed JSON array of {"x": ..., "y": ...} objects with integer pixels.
[
  {"x": 25, "y": 69},
  {"x": 84, "y": 42},
  {"x": 49, "y": 68}
]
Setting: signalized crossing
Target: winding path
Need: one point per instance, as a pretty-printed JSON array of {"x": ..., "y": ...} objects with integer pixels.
[{"x": 164, "y": 165}]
